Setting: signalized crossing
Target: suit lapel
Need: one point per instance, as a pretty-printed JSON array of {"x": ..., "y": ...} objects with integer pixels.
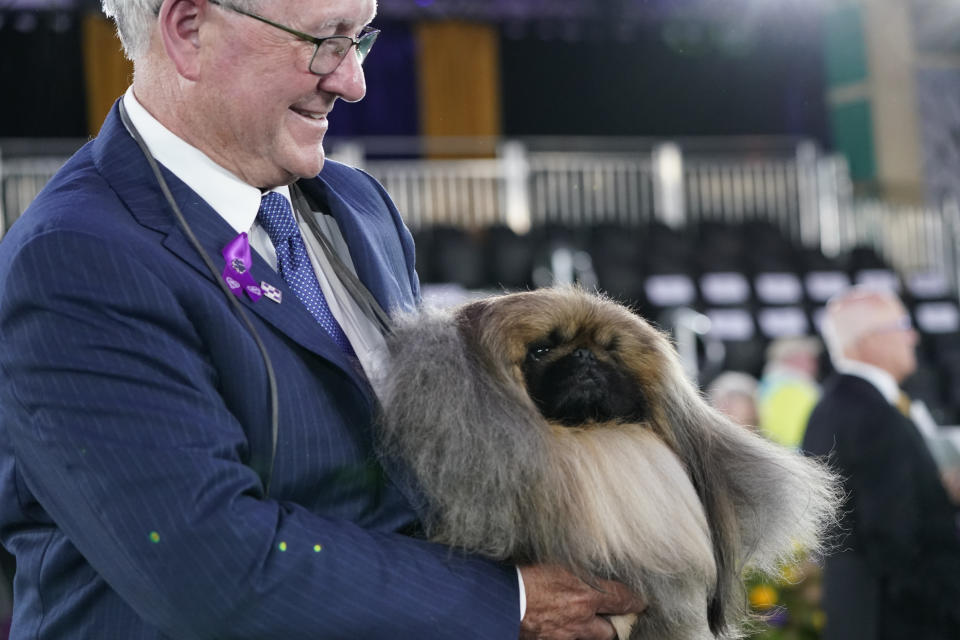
[
  {"x": 357, "y": 228},
  {"x": 125, "y": 168}
]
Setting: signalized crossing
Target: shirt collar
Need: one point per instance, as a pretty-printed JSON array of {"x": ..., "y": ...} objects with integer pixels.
[
  {"x": 236, "y": 201},
  {"x": 879, "y": 378}
]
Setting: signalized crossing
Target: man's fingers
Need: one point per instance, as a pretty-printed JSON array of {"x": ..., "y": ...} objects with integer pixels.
[
  {"x": 615, "y": 598},
  {"x": 561, "y": 606},
  {"x": 600, "y": 629}
]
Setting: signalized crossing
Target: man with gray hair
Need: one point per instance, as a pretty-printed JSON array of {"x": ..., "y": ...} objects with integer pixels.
[
  {"x": 896, "y": 570},
  {"x": 188, "y": 314}
]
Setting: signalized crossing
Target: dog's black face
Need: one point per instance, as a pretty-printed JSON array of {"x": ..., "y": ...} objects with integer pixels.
[{"x": 573, "y": 384}]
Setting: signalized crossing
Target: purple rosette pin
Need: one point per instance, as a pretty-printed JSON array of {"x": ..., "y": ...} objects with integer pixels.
[{"x": 236, "y": 270}]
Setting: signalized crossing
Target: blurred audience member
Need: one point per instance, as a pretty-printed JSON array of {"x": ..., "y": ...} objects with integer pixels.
[
  {"x": 788, "y": 389},
  {"x": 896, "y": 570},
  {"x": 734, "y": 393}
]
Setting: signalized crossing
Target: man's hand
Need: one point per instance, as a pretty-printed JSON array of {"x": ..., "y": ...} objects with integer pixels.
[{"x": 561, "y": 606}]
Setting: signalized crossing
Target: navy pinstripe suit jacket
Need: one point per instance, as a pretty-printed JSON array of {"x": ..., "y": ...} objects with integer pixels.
[{"x": 134, "y": 429}]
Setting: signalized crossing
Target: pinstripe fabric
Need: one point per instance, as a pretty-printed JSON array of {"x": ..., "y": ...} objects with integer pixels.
[{"x": 134, "y": 427}]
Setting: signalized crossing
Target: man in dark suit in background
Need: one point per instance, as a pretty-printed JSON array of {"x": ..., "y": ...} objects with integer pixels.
[
  {"x": 895, "y": 572},
  {"x": 143, "y": 488}
]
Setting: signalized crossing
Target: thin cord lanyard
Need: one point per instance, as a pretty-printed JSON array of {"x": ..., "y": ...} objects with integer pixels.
[
  {"x": 358, "y": 291},
  {"x": 267, "y": 474}
]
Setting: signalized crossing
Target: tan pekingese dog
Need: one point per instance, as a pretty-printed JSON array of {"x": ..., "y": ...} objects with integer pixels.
[{"x": 555, "y": 426}]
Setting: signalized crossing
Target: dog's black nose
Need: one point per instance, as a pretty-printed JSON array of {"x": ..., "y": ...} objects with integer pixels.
[{"x": 584, "y": 354}]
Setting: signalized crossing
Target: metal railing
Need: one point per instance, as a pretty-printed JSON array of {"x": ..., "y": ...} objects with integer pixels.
[
  {"x": 587, "y": 187},
  {"x": 21, "y": 179},
  {"x": 580, "y": 189},
  {"x": 467, "y": 193},
  {"x": 913, "y": 240},
  {"x": 805, "y": 193}
]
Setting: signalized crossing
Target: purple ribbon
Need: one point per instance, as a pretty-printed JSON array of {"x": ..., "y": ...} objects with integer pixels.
[{"x": 236, "y": 271}]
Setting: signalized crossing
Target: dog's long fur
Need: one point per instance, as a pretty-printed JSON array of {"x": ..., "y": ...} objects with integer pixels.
[{"x": 675, "y": 506}]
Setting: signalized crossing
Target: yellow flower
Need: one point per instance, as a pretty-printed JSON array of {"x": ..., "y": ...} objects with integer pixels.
[{"x": 763, "y": 596}]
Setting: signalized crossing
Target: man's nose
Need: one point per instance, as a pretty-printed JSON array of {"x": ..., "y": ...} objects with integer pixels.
[{"x": 347, "y": 80}]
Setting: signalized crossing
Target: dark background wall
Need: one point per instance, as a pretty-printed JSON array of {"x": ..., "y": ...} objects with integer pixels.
[
  {"x": 390, "y": 106},
  {"x": 660, "y": 76},
  {"x": 669, "y": 78},
  {"x": 41, "y": 75}
]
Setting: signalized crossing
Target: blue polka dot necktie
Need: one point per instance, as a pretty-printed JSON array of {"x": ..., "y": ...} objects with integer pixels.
[{"x": 294, "y": 265}]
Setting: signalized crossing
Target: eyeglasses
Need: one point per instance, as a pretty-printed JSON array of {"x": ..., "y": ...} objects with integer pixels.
[{"x": 328, "y": 51}]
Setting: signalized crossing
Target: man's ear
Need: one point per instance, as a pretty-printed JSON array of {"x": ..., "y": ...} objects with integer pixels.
[{"x": 179, "y": 22}]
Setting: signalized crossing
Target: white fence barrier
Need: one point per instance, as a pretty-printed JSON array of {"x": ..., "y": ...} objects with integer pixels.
[
  {"x": 21, "y": 180},
  {"x": 804, "y": 193}
]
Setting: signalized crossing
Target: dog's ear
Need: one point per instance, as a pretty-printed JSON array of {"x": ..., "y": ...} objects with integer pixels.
[
  {"x": 780, "y": 498},
  {"x": 694, "y": 430},
  {"x": 762, "y": 500},
  {"x": 435, "y": 392},
  {"x": 486, "y": 339}
]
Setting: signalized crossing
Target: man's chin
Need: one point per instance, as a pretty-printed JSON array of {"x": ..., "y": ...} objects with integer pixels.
[
  {"x": 309, "y": 168},
  {"x": 300, "y": 172}
]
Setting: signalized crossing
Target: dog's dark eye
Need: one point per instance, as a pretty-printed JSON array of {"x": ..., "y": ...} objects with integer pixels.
[{"x": 538, "y": 350}]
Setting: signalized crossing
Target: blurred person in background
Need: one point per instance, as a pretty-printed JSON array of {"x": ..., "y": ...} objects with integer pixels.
[
  {"x": 143, "y": 488},
  {"x": 788, "y": 389},
  {"x": 895, "y": 572},
  {"x": 734, "y": 394}
]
